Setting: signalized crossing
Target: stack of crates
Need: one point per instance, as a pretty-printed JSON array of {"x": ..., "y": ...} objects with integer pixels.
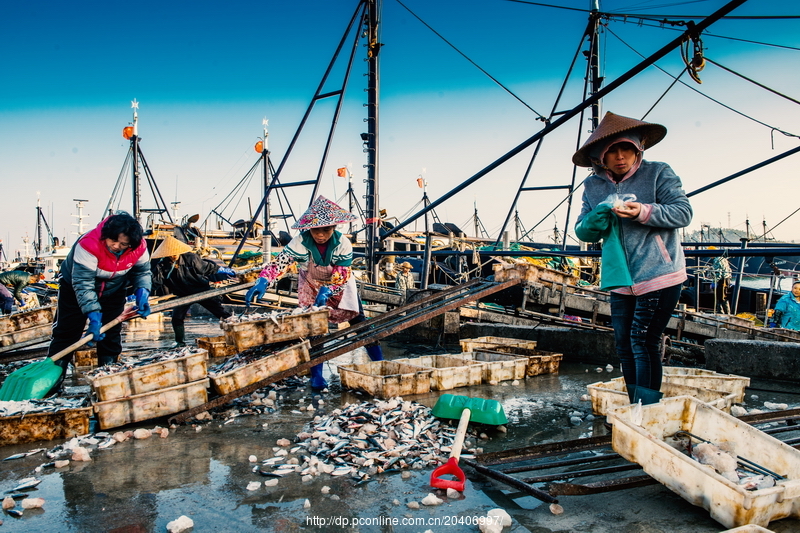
[{"x": 151, "y": 391}]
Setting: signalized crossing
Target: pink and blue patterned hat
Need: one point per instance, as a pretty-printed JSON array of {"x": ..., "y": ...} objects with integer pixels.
[{"x": 322, "y": 212}]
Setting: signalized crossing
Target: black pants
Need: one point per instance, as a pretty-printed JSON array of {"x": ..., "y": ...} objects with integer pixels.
[
  {"x": 70, "y": 321},
  {"x": 213, "y": 304}
]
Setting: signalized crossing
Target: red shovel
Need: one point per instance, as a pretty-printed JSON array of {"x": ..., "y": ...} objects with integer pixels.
[{"x": 451, "y": 466}]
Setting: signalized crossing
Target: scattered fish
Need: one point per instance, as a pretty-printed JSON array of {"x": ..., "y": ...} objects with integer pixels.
[
  {"x": 25, "y": 484},
  {"x": 152, "y": 357},
  {"x": 24, "y": 454}
]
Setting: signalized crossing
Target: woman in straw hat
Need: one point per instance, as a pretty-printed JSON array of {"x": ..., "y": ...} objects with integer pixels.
[
  {"x": 323, "y": 257},
  {"x": 636, "y": 207},
  {"x": 405, "y": 279},
  {"x": 183, "y": 273}
]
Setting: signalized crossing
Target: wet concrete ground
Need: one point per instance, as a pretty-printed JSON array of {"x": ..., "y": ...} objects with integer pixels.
[{"x": 141, "y": 485}]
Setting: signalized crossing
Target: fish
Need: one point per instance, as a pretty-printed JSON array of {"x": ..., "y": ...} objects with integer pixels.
[
  {"x": 25, "y": 484},
  {"x": 24, "y": 454},
  {"x": 107, "y": 443},
  {"x": 16, "y": 513},
  {"x": 268, "y": 474},
  {"x": 341, "y": 471}
]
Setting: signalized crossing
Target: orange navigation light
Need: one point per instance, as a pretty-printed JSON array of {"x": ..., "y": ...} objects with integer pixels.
[
  {"x": 127, "y": 132},
  {"x": 259, "y": 147}
]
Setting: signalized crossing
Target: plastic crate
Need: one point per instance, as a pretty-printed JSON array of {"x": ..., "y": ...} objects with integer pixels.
[
  {"x": 496, "y": 366},
  {"x": 609, "y": 395},
  {"x": 32, "y": 427},
  {"x": 147, "y": 378},
  {"x": 261, "y": 369},
  {"x": 699, "y": 377},
  {"x": 162, "y": 402},
  {"x": 386, "y": 379},
  {"x": 529, "y": 273},
  {"x": 499, "y": 344},
  {"x": 216, "y": 346},
  {"x": 447, "y": 372},
  {"x": 245, "y": 335},
  {"x": 639, "y": 435},
  {"x": 34, "y": 318}
]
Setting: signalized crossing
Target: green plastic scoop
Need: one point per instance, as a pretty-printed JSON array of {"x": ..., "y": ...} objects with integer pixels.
[{"x": 483, "y": 411}]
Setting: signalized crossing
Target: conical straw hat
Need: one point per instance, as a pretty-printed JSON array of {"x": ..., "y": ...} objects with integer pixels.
[
  {"x": 171, "y": 246},
  {"x": 611, "y": 126},
  {"x": 322, "y": 212}
]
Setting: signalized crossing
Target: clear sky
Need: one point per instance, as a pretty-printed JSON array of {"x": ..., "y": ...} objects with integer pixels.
[{"x": 206, "y": 74}]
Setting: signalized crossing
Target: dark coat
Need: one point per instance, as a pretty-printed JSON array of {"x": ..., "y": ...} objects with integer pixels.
[
  {"x": 16, "y": 280},
  {"x": 191, "y": 274}
]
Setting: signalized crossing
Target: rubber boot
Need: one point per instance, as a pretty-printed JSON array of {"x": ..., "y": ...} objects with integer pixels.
[
  {"x": 103, "y": 360},
  {"x": 180, "y": 335},
  {"x": 646, "y": 396},
  {"x": 375, "y": 352},
  {"x": 317, "y": 381},
  {"x": 631, "y": 392}
]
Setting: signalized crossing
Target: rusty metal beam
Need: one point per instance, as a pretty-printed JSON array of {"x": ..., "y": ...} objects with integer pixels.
[
  {"x": 544, "y": 450},
  {"x": 331, "y": 346},
  {"x": 511, "y": 481},
  {"x": 574, "y": 489}
]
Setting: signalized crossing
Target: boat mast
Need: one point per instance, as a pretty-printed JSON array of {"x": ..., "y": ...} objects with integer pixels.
[
  {"x": 594, "y": 63},
  {"x": 266, "y": 237},
  {"x": 371, "y": 142},
  {"x": 79, "y": 216},
  {"x": 135, "y": 166}
]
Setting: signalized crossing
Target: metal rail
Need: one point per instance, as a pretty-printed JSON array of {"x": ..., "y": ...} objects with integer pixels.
[
  {"x": 349, "y": 339},
  {"x": 594, "y": 444}
]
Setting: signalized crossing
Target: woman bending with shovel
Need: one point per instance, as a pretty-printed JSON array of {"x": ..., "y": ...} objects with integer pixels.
[
  {"x": 92, "y": 283},
  {"x": 323, "y": 257}
]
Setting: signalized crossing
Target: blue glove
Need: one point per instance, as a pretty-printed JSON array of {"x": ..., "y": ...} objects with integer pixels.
[
  {"x": 142, "y": 305},
  {"x": 323, "y": 295},
  {"x": 256, "y": 291},
  {"x": 224, "y": 273},
  {"x": 95, "y": 321}
]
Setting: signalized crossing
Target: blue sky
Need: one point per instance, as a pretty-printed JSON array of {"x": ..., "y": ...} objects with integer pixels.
[{"x": 207, "y": 73}]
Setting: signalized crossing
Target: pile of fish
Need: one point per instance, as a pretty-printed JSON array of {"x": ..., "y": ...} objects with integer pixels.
[
  {"x": 272, "y": 315},
  {"x": 364, "y": 439},
  {"x": 13, "y": 366},
  {"x": 150, "y": 358},
  {"x": 725, "y": 462},
  {"x": 50, "y": 405}
]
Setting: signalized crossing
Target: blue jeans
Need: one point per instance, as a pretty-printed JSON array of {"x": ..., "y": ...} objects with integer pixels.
[{"x": 639, "y": 322}]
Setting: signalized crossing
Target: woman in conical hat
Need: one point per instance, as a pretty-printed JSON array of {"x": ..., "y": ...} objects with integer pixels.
[
  {"x": 323, "y": 257},
  {"x": 636, "y": 207},
  {"x": 183, "y": 273}
]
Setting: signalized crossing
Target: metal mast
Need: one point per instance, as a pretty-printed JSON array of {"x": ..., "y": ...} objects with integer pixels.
[
  {"x": 135, "y": 150},
  {"x": 372, "y": 236},
  {"x": 266, "y": 237},
  {"x": 594, "y": 64}
]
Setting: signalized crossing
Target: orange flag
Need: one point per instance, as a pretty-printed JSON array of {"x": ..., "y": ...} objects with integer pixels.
[{"x": 342, "y": 172}]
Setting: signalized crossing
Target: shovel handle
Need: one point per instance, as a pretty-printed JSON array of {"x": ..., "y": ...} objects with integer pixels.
[
  {"x": 126, "y": 315},
  {"x": 461, "y": 432}
]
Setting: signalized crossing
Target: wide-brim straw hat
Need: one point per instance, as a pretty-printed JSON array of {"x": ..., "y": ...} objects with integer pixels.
[
  {"x": 321, "y": 213},
  {"x": 611, "y": 126},
  {"x": 171, "y": 246},
  {"x": 406, "y": 265}
]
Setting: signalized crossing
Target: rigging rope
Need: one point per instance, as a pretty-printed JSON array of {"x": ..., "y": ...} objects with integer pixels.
[
  {"x": 773, "y": 91},
  {"x": 451, "y": 45},
  {"x": 726, "y": 106}
]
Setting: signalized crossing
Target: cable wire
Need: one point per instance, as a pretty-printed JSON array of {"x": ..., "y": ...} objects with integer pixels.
[{"x": 451, "y": 45}]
